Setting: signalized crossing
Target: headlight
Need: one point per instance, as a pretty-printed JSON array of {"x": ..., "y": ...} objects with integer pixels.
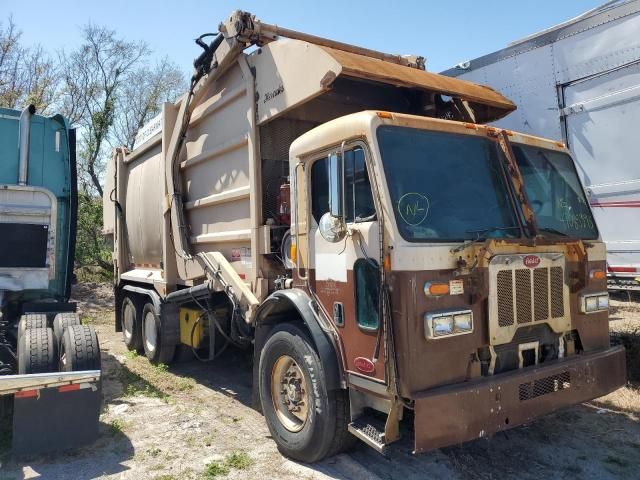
[
  {"x": 442, "y": 324},
  {"x": 595, "y": 302},
  {"x": 462, "y": 323}
]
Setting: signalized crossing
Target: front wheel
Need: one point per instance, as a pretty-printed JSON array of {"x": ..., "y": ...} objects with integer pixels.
[{"x": 307, "y": 421}]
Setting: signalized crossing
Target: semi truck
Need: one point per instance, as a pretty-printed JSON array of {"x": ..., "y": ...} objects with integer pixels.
[
  {"x": 577, "y": 83},
  {"x": 49, "y": 362},
  {"x": 387, "y": 257}
]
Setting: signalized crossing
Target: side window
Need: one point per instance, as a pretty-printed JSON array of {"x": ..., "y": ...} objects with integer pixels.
[
  {"x": 320, "y": 188},
  {"x": 367, "y": 293},
  {"x": 359, "y": 206}
]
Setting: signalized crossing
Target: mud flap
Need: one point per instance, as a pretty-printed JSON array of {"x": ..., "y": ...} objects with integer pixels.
[{"x": 56, "y": 418}]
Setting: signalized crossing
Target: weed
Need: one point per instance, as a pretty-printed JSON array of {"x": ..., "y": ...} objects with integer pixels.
[
  {"x": 184, "y": 384},
  {"x": 239, "y": 460},
  {"x": 166, "y": 476},
  {"x": 86, "y": 320},
  {"x": 216, "y": 469},
  {"x": 154, "y": 452},
  {"x": 134, "y": 385},
  {"x": 161, "y": 368},
  {"x": 116, "y": 426},
  {"x": 131, "y": 354}
]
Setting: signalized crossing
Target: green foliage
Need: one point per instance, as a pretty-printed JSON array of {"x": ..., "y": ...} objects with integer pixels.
[
  {"x": 93, "y": 254},
  {"x": 239, "y": 460},
  {"x": 216, "y": 469}
]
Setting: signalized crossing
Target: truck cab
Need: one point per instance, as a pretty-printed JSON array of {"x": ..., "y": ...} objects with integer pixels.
[{"x": 479, "y": 248}]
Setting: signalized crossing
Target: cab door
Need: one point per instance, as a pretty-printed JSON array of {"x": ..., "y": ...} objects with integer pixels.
[{"x": 345, "y": 274}]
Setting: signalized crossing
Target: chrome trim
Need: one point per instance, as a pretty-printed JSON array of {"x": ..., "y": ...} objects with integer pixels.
[{"x": 428, "y": 328}]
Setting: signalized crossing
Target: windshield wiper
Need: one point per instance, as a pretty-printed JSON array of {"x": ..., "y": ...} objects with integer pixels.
[
  {"x": 553, "y": 230},
  {"x": 479, "y": 237}
]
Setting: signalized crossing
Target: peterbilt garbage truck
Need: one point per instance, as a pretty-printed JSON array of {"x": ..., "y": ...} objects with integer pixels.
[
  {"x": 348, "y": 216},
  {"x": 49, "y": 362}
]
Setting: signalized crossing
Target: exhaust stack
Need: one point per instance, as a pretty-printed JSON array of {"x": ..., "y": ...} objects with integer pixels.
[{"x": 25, "y": 129}]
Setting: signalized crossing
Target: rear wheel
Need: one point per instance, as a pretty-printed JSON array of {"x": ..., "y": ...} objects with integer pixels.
[
  {"x": 156, "y": 350},
  {"x": 31, "y": 320},
  {"x": 61, "y": 322},
  {"x": 307, "y": 421},
  {"x": 79, "y": 349},
  {"x": 36, "y": 351},
  {"x": 131, "y": 324}
]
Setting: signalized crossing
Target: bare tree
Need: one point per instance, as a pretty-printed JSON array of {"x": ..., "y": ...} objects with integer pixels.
[
  {"x": 11, "y": 54},
  {"x": 142, "y": 96},
  {"x": 27, "y": 75},
  {"x": 93, "y": 76}
]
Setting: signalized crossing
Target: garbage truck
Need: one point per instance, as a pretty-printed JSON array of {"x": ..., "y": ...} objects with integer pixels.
[
  {"x": 394, "y": 264},
  {"x": 49, "y": 362}
]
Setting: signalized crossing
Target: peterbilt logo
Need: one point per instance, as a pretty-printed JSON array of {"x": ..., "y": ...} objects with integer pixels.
[{"x": 531, "y": 261}]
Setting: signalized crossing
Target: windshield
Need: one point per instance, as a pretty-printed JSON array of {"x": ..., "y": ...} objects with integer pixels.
[
  {"x": 554, "y": 191},
  {"x": 445, "y": 186}
]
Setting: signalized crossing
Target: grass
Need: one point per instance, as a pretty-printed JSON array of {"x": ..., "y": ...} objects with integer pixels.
[
  {"x": 235, "y": 460},
  {"x": 166, "y": 476},
  {"x": 216, "y": 469},
  {"x": 131, "y": 354},
  {"x": 116, "y": 426},
  {"x": 134, "y": 385},
  {"x": 239, "y": 460}
]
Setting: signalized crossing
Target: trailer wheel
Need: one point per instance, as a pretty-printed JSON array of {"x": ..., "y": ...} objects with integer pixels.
[
  {"x": 156, "y": 350},
  {"x": 307, "y": 421},
  {"x": 79, "y": 349},
  {"x": 31, "y": 320},
  {"x": 37, "y": 351},
  {"x": 61, "y": 322},
  {"x": 131, "y": 324}
]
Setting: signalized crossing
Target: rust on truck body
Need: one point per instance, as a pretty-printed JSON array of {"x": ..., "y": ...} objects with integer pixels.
[{"x": 199, "y": 222}]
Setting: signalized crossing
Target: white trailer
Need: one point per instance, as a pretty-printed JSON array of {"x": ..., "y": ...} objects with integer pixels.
[{"x": 579, "y": 83}]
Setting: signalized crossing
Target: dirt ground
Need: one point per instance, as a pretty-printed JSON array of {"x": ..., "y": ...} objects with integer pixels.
[{"x": 194, "y": 420}]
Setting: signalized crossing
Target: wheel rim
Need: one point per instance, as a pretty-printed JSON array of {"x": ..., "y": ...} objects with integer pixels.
[
  {"x": 150, "y": 333},
  {"x": 128, "y": 319},
  {"x": 289, "y": 393}
]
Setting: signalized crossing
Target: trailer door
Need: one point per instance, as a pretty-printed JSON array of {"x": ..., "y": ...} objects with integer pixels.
[{"x": 601, "y": 121}]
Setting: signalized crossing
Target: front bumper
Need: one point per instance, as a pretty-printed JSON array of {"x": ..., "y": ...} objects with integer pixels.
[{"x": 476, "y": 409}]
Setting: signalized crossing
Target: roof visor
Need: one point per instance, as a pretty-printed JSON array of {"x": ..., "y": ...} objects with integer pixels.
[{"x": 487, "y": 104}]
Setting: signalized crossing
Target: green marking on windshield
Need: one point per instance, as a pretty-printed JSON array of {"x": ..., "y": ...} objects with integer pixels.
[{"x": 413, "y": 208}]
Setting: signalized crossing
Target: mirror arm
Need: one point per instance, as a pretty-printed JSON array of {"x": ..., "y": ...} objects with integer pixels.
[
  {"x": 295, "y": 190},
  {"x": 342, "y": 184}
]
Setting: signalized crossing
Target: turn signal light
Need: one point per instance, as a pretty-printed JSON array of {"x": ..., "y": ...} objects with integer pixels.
[
  {"x": 433, "y": 289},
  {"x": 384, "y": 115},
  {"x": 294, "y": 253},
  {"x": 598, "y": 275}
]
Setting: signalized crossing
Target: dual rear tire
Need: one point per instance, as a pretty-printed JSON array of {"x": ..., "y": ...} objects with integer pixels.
[
  {"x": 142, "y": 330},
  {"x": 66, "y": 347}
]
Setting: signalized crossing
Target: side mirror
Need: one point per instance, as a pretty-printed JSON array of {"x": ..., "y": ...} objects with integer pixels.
[
  {"x": 333, "y": 229},
  {"x": 332, "y": 224}
]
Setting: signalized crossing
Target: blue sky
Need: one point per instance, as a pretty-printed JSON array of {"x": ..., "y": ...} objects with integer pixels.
[{"x": 445, "y": 32}]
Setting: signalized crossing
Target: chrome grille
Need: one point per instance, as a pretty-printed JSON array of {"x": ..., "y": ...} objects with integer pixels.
[
  {"x": 541, "y": 293},
  {"x": 557, "y": 298},
  {"x": 533, "y": 289},
  {"x": 505, "y": 298},
  {"x": 523, "y": 295}
]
